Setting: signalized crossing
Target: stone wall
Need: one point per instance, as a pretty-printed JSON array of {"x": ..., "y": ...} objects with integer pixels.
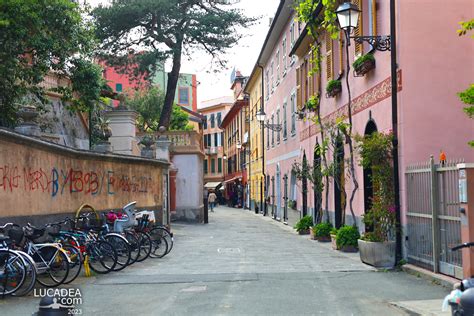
[{"x": 41, "y": 178}]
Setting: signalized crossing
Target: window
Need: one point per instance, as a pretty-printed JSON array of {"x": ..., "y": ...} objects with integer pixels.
[
  {"x": 267, "y": 85},
  {"x": 209, "y": 140},
  {"x": 204, "y": 126},
  {"x": 278, "y": 67},
  {"x": 205, "y": 166},
  {"x": 278, "y": 122},
  {"x": 183, "y": 95},
  {"x": 292, "y": 35},
  {"x": 219, "y": 165},
  {"x": 293, "y": 113},
  {"x": 273, "y": 132},
  {"x": 118, "y": 87},
  {"x": 268, "y": 135},
  {"x": 329, "y": 57},
  {"x": 205, "y": 141},
  {"x": 272, "y": 78},
  {"x": 284, "y": 120},
  {"x": 213, "y": 165},
  {"x": 283, "y": 51},
  {"x": 358, "y": 31},
  {"x": 212, "y": 121},
  {"x": 216, "y": 138},
  {"x": 219, "y": 119}
]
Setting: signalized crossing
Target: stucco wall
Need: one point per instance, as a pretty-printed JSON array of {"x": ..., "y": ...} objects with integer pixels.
[
  {"x": 41, "y": 178},
  {"x": 189, "y": 186}
]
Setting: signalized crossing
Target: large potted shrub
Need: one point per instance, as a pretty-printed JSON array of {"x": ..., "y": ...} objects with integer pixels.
[
  {"x": 377, "y": 246},
  {"x": 304, "y": 224},
  {"x": 346, "y": 238},
  {"x": 363, "y": 64},
  {"x": 321, "y": 232}
]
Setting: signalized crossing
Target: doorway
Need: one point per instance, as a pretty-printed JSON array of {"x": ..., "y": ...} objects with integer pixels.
[{"x": 370, "y": 128}]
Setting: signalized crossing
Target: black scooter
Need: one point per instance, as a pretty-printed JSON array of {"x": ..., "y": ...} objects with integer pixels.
[{"x": 463, "y": 304}]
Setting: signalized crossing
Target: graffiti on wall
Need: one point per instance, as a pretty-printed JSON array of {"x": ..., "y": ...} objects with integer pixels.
[{"x": 57, "y": 181}]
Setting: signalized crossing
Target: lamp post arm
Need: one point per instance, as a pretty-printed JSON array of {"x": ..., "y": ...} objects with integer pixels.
[{"x": 380, "y": 43}]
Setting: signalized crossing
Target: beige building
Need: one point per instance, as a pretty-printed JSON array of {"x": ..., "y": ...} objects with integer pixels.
[{"x": 214, "y": 111}]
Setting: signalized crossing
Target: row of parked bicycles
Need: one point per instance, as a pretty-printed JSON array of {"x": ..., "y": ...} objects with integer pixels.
[{"x": 56, "y": 253}]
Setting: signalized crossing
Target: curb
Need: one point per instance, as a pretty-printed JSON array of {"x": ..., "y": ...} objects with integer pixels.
[{"x": 436, "y": 278}]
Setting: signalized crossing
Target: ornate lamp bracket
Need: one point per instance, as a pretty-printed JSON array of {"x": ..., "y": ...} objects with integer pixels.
[
  {"x": 380, "y": 43},
  {"x": 273, "y": 127}
]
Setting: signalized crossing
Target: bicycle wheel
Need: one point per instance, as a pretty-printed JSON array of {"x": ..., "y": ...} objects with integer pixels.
[
  {"x": 160, "y": 247},
  {"x": 134, "y": 246},
  {"x": 102, "y": 256},
  {"x": 75, "y": 264},
  {"x": 122, "y": 248},
  {"x": 162, "y": 232},
  {"x": 30, "y": 278},
  {"x": 12, "y": 272},
  {"x": 145, "y": 245},
  {"x": 53, "y": 266}
]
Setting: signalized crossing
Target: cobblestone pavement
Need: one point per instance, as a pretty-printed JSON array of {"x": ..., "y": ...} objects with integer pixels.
[{"x": 244, "y": 264}]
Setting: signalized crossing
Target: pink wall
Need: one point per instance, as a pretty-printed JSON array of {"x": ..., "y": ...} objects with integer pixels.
[{"x": 436, "y": 65}]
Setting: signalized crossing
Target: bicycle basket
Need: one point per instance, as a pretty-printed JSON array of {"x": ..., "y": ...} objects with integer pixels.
[
  {"x": 16, "y": 234},
  {"x": 35, "y": 234}
]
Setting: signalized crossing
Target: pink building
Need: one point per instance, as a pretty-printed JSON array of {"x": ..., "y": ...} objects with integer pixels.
[{"x": 434, "y": 64}]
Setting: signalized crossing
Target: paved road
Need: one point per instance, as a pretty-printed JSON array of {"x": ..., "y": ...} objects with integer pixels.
[{"x": 244, "y": 264}]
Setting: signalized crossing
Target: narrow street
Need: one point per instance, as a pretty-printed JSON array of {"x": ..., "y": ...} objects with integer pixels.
[{"x": 244, "y": 264}]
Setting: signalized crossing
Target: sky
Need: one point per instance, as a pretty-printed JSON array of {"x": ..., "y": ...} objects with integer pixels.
[{"x": 243, "y": 56}]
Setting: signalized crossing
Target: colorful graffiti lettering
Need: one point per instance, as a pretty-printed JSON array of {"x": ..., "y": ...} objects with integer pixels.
[{"x": 59, "y": 181}]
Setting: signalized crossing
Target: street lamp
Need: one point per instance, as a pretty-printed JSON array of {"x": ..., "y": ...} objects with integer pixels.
[
  {"x": 260, "y": 115},
  {"x": 348, "y": 16}
]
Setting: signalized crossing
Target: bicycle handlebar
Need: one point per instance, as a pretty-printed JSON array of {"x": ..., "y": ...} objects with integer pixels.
[{"x": 463, "y": 245}]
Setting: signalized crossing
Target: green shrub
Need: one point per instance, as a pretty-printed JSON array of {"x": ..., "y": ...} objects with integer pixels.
[
  {"x": 333, "y": 84},
  {"x": 362, "y": 59},
  {"x": 333, "y": 231},
  {"x": 347, "y": 236},
  {"x": 322, "y": 229},
  {"x": 305, "y": 223}
]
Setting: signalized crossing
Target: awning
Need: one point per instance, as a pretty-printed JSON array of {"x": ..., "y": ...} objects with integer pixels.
[
  {"x": 212, "y": 185},
  {"x": 233, "y": 179}
]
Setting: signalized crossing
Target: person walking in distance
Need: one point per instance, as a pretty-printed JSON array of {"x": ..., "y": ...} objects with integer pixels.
[{"x": 212, "y": 200}]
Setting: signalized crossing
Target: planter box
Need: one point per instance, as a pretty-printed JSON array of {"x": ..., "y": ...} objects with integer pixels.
[
  {"x": 347, "y": 248},
  {"x": 364, "y": 68},
  {"x": 323, "y": 239},
  {"x": 333, "y": 242},
  {"x": 377, "y": 254},
  {"x": 304, "y": 232},
  {"x": 333, "y": 92}
]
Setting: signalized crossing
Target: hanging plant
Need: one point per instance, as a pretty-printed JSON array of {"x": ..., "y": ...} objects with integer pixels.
[
  {"x": 333, "y": 88},
  {"x": 312, "y": 103},
  {"x": 363, "y": 64}
]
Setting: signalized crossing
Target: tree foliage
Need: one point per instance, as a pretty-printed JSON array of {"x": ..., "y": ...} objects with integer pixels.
[
  {"x": 148, "y": 104},
  {"x": 467, "y": 96},
  {"x": 37, "y": 37},
  {"x": 137, "y": 35}
]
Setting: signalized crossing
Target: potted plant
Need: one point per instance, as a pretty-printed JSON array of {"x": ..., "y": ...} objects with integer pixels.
[
  {"x": 333, "y": 234},
  {"x": 333, "y": 88},
  {"x": 347, "y": 238},
  {"x": 304, "y": 224},
  {"x": 321, "y": 232},
  {"x": 292, "y": 204},
  {"x": 363, "y": 64},
  {"x": 377, "y": 246}
]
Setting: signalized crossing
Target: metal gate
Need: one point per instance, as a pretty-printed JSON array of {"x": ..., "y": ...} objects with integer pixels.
[{"x": 433, "y": 221}]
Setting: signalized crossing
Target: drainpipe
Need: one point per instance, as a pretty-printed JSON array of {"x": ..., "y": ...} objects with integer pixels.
[
  {"x": 262, "y": 187},
  {"x": 396, "y": 176}
]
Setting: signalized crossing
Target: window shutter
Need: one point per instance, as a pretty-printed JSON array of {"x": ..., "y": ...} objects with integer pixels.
[
  {"x": 341, "y": 51},
  {"x": 299, "y": 102},
  {"x": 359, "y": 48},
  {"x": 329, "y": 58},
  {"x": 374, "y": 17}
]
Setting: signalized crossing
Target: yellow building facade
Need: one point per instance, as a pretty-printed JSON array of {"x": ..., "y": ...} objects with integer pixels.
[{"x": 255, "y": 170}]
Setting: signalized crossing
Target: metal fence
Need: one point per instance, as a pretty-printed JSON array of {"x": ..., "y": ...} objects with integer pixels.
[{"x": 433, "y": 221}]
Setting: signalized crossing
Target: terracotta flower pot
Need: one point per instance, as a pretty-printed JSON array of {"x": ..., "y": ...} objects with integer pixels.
[
  {"x": 324, "y": 239},
  {"x": 304, "y": 232},
  {"x": 333, "y": 242}
]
